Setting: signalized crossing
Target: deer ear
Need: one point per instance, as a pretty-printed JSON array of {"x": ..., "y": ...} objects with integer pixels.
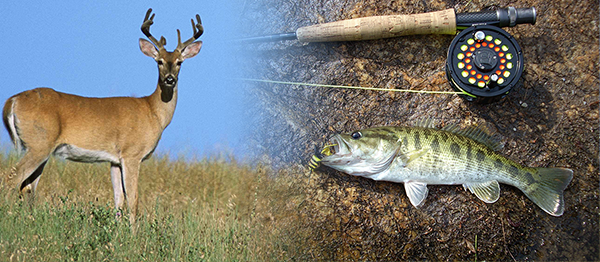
[
  {"x": 148, "y": 48},
  {"x": 191, "y": 50}
]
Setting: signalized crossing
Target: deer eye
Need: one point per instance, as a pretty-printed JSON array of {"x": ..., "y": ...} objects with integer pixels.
[
  {"x": 179, "y": 63},
  {"x": 159, "y": 62}
]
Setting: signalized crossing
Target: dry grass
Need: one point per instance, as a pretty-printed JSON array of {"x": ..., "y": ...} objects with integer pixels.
[{"x": 213, "y": 209}]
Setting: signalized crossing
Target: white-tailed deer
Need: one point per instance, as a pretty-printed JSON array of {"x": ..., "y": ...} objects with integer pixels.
[{"x": 121, "y": 130}]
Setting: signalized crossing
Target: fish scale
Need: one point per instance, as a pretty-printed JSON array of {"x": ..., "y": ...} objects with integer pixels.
[
  {"x": 466, "y": 157},
  {"x": 422, "y": 155}
]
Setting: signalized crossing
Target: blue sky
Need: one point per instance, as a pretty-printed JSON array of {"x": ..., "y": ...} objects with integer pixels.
[{"x": 90, "y": 48}]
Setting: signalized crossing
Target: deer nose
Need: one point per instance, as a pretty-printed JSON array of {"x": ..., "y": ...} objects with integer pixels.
[{"x": 170, "y": 80}]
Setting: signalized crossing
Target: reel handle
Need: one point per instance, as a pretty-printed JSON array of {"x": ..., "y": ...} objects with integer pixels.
[
  {"x": 501, "y": 17},
  {"x": 378, "y": 27}
]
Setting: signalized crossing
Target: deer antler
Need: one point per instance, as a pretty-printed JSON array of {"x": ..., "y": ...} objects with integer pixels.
[
  {"x": 198, "y": 30},
  {"x": 146, "y": 30}
]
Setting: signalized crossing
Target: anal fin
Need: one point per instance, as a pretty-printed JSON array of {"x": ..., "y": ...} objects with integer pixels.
[{"x": 488, "y": 191}]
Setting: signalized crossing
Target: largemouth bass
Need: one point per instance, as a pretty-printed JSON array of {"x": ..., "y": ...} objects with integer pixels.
[{"x": 423, "y": 155}]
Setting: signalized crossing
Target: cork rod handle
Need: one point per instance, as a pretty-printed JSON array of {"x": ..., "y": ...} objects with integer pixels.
[{"x": 377, "y": 27}]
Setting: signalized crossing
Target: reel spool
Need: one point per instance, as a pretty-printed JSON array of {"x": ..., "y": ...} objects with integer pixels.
[{"x": 484, "y": 62}]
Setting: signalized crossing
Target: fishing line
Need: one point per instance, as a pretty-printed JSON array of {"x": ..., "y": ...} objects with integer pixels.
[{"x": 352, "y": 87}]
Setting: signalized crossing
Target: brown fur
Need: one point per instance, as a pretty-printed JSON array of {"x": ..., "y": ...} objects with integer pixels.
[{"x": 121, "y": 130}]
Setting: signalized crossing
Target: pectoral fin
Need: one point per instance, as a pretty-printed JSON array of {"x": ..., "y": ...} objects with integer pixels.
[
  {"x": 408, "y": 157},
  {"x": 488, "y": 191},
  {"x": 416, "y": 192}
]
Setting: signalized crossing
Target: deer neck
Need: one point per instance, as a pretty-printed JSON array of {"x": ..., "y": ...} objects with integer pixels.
[{"x": 163, "y": 102}]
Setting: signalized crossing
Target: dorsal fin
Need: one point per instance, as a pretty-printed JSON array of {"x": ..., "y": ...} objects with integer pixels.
[
  {"x": 426, "y": 123},
  {"x": 480, "y": 134}
]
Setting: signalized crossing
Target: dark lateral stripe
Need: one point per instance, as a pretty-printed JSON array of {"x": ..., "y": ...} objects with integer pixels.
[
  {"x": 480, "y": 156},
  {"x": 498, "y": 164},
  {"x": 427, "y": 132},
  {"x": 469, "y": 158},
  {"x": 417, "y": 138},
  {"x": 529, "y": 177},
  {"x": 435, "y": 145},
  {"x": 455, "y": 150},
  {"x": 444, "y": 136},
  {"x": 513, "y": 170},
  {"x": 469, "y": 153}
]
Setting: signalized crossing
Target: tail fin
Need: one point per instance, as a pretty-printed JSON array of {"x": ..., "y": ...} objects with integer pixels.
[{"x": 547, "y": 193}]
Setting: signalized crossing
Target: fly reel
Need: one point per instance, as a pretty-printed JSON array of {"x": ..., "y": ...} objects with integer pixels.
[{"x": 484, "y": 62}]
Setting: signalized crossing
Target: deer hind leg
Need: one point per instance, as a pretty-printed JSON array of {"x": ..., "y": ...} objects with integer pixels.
[
  {"x": 131, "y": 170},
  {"x": 28, "y": 172}
]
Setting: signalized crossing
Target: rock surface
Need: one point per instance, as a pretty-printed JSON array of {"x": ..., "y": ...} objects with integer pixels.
[{"x": 549, "y": 121}]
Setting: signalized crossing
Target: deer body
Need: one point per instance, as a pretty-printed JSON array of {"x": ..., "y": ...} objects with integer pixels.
[
  {"x": 121, "y": 130},
  {"x": 131, "y": 127}
]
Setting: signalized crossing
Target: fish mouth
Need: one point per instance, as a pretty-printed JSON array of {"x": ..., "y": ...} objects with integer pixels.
[
  {"x": 337, "y": 143},
  {"x": 341, "y": 155},
  {"x": 336, "y": 149}
]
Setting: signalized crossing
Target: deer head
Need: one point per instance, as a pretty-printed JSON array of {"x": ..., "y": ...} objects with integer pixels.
[{"x": 169, "y": 63}]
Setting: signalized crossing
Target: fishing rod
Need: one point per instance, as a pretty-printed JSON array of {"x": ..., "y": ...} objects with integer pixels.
[
  {"x": 379, "y": 27},
  {"x": 484, "y": 62}
]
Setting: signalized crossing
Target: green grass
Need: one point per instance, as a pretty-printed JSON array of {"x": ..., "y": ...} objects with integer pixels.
[{"x": 206, "y": 210}]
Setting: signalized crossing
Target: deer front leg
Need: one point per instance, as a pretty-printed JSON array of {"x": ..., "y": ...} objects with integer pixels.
[
  {"x": 131, "y": 170},
  {"x": 116, "y": 177}
]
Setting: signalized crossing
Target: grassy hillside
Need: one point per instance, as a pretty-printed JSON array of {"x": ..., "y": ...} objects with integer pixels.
[{"x": 209, "y": 210}]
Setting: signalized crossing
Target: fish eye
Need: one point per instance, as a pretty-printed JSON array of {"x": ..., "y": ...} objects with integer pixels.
[{"x": 356, "y": 135}]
